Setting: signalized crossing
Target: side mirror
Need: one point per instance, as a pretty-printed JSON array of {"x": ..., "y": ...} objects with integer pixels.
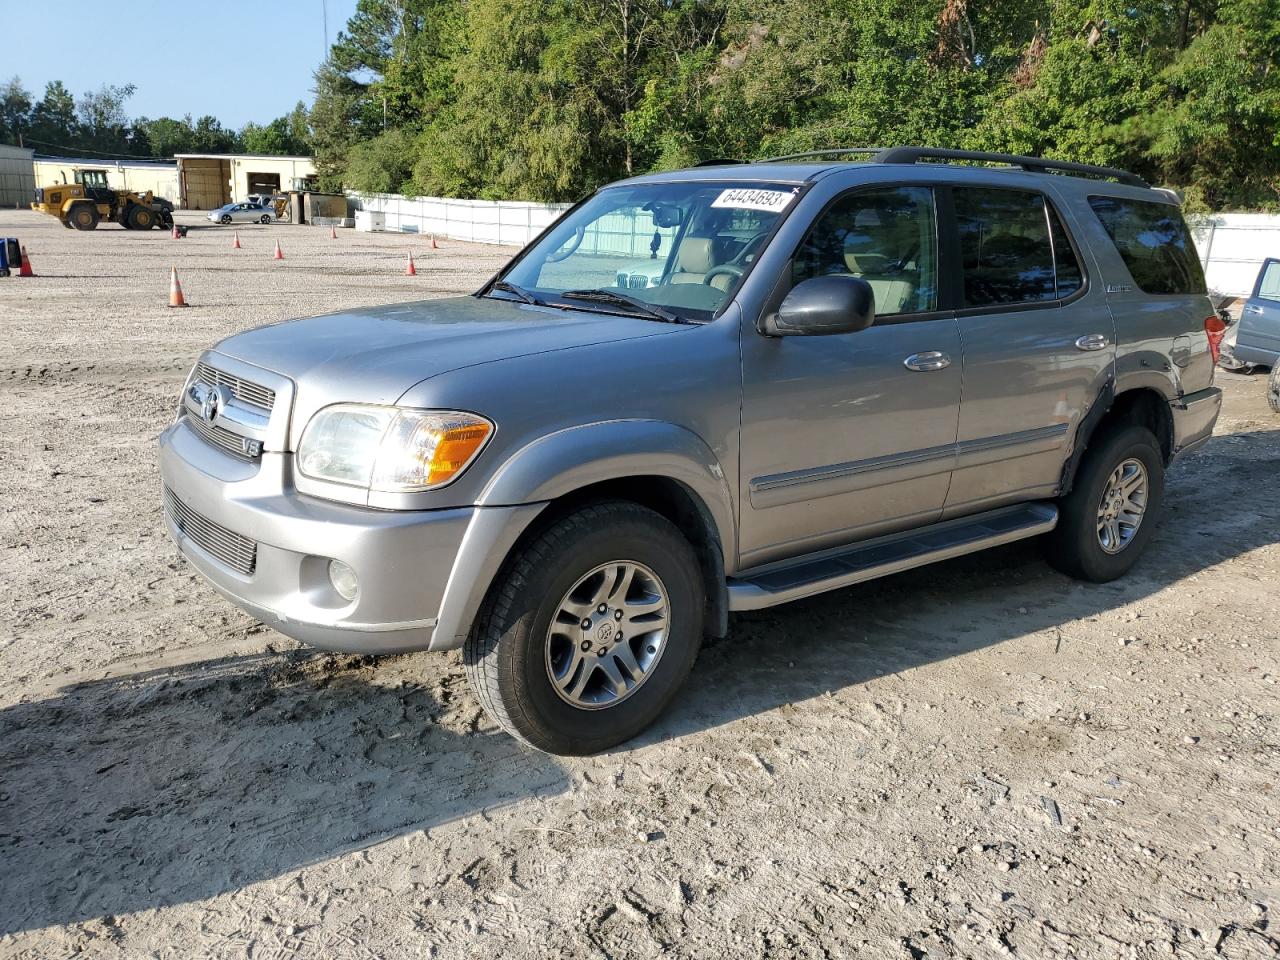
[{"x": 821, "y": 306}]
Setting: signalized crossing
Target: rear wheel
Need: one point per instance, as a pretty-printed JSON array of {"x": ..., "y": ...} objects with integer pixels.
[
  {"x": 84, "y": 216},
  {"x": 141, "y": 218},
  {"x": 1104, "y": 523},
  {"x": 1273, "y": 388},
  {"x": 590, "y": 630}
]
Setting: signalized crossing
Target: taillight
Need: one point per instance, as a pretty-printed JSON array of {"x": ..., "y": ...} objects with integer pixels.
[{"x": 1215, "y": 329}]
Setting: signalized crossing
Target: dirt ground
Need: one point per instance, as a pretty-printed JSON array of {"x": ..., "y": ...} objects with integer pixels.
[{"x": 977, "y": 759}]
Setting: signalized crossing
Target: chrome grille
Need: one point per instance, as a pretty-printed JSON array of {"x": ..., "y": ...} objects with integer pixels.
[
  {"x": 634, "y": 281},
  {"x": 225, "y": 439},
  {"x": 245, "y": 390},
  {"x": 237, "y": 552}
]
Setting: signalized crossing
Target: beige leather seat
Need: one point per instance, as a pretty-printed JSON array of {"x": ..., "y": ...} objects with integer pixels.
[
  {"x": 697, "y": 256},
  {"x": 893, "y": 283}
]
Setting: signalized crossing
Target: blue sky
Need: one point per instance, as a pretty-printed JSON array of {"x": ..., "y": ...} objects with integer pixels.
[{"x": 236, "y": 59}]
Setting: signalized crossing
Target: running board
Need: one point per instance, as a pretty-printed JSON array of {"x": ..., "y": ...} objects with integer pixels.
[{"x": 802, "y": 577}]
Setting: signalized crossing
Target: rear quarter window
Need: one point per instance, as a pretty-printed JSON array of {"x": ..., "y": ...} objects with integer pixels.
[{"x": 1154, "y": 243}]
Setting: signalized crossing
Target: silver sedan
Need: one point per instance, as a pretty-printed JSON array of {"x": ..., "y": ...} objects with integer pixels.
[{"x": 242, "y": 213}]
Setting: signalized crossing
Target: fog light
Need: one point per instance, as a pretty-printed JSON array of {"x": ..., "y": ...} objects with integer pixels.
[{"x": 343, "y": 579}]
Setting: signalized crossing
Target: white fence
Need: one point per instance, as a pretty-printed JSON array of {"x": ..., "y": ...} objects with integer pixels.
[
  {"x": 1232, "y": 246},
  {"x": 478, "y": 221}
]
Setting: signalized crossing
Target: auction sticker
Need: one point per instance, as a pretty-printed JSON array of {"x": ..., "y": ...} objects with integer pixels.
[{"x": 774, "y": 201}]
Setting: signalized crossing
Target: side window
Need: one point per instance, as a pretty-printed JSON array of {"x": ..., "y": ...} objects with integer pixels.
[
  {"x": 888, "y": 237},
  {"x": 1153, "y": 240},
  {"x": 1269, "y": 282},
  {"x": 1013, "y": 248}
]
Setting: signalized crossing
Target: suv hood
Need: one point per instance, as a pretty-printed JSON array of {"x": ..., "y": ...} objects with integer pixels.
[{"x": 375, "y": 354}]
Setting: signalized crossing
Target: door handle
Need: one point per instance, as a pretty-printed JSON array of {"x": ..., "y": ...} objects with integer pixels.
[
  {"x": 1257, "y": 311},
  {"x": 929, "y": 360},
  {"x": 1092, "y": 341}
]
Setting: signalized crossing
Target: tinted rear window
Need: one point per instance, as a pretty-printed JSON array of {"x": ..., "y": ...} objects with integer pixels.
[
  {"x": 1013, "y": 248},
  {"x": 1154, "y": 243}
]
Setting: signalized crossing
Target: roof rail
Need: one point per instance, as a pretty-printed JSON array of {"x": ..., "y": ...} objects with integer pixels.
[
  {"x": 916, "y": 154},
  {"x": 823, "y": 153},
  {"x": 1030, "y": 164}
]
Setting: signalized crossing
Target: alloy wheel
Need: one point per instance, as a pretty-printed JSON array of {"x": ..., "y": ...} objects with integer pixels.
[
  {"x": 1123, "y": 505},
  {"x": 607, "y": 635}
]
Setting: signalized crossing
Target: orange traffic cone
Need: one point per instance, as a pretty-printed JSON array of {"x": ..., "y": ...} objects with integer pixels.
[
  {"x": 176, "y": 299},
  {"x": 409, "y": 269},
  {"x": 434, "y": 245},
  {"x": 25, "y": 269},
  {"x": 333, "y": 233},
  {"x": 235, "y": 244},
  {"x": 279, "y": 254}
]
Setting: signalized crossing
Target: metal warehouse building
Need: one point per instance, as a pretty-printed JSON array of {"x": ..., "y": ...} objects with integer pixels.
[
  {"x": 17, "y": 176},
  {"x": 208, "y": 180}
]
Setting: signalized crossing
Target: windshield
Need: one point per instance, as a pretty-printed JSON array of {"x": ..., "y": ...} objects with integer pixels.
[{"x": 682, "y": 248}]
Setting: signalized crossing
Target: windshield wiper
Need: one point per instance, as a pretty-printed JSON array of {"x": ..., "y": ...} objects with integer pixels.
[
  {"x": 621, "y": 299},
  {"x": 520, "y": 292}
]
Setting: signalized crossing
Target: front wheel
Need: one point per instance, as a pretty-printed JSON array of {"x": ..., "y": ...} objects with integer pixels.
[
  {"x": 589, "y": 631},
  {"x": 1273, "y": 388},
  {"x": 1104, "y": 523},
  {"x": 225, "y": 218}
]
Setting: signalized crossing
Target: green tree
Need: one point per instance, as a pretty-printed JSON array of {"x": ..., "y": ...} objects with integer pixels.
[
  {"x": 53, "y": 119},
  {"x": 15, "y": 109},
  {"x": 167, "y": 136}
]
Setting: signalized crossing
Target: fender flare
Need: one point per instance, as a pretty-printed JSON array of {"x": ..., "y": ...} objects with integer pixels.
[
  {"x": 562, "y": 463},
  {"x": 576, "y": 457},
  {"x": 1152, "y": 381}
]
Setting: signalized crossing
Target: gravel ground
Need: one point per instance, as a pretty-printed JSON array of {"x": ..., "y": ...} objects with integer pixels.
[{"x": 981, "y": 758}]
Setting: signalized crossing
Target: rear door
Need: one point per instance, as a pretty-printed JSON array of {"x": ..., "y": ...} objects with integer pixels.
[
  {"x": 1258, "y": 340},
  {"x": 1039, "y": 344}
]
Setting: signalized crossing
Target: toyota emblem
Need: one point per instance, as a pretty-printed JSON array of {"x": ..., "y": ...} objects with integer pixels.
[{"x": 212, "y": 404}]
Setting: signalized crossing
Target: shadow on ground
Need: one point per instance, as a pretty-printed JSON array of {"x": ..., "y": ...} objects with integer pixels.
[
  {"x": 1219, "y": 505},
  {"x": 179, "y": 784}
]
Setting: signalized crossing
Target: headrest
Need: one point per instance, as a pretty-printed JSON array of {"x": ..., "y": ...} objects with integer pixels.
[{"x": 696, "y": 255}]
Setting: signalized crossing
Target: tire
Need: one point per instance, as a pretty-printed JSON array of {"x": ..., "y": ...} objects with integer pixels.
[
  {"x": 265, "y": 219},
  {"x": 1273, "y": 389},
  {"x": 68, "y": 224},
  {"x": 124, "y": 220},
  {"x": 84, "y": 216},
  {"x": 512, "y": 652},
  {"x": 225, "y": 218},
  {"x": 141, "y": 218},
  {"x": 1076, "y": 546}
]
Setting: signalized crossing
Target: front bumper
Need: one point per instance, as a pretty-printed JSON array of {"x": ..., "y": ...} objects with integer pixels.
[
  {"x": 1194, "y": 416},
  {"x": 403, "y": 559}
]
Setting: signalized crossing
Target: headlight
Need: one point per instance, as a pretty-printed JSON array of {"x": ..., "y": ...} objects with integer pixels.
[{"x": 390, "y": 449}]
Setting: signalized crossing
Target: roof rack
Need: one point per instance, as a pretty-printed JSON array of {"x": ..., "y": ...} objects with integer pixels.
[
  {"x": 1030, "y": 164},
  {"x": 825, "y": 153}
]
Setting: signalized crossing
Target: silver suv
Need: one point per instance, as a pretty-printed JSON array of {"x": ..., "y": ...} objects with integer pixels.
[{"x": 703, "y": 391}]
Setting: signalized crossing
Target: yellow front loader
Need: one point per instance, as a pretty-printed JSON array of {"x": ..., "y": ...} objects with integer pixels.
[{"x": 88, "y": 201}]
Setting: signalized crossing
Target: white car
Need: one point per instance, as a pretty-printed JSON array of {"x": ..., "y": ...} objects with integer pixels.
[{"x": 242, "y": 213}]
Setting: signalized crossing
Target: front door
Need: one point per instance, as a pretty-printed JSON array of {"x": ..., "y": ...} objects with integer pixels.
[
  {"x": 1039, "y": 345},
  {"x": 1258, "y": 339},
  {"x": 850, "y": 436}
]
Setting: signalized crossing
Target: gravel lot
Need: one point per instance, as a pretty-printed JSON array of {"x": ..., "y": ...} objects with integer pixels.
[{"x": 877, "y": 773}]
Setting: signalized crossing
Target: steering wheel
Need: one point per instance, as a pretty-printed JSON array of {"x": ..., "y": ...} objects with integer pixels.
[
  {"x": 571, "y": 245},
  {"x": 724, "y": 269}
]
